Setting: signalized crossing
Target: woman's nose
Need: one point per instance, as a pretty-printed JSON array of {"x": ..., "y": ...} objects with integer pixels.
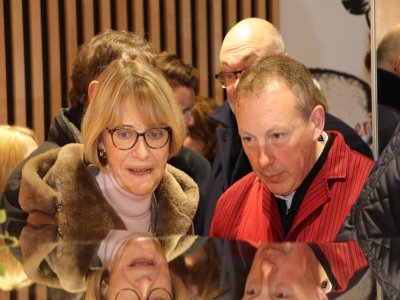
[
  {"x": 140, "y": 150},
  {"x": 142, "y": 285}
]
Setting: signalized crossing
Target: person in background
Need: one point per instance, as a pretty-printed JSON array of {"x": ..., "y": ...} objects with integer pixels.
[
  {"x": 202, "y": 137},
  {"x": 304, "y": 179},
  {"x": 16, "y": 143},
  {"x": 119, "y": 177},
  {"x": 388, "y": 82},
  {"x": 245, "y": 42},
  {"x": 184, "y": 78},
  {"x": 92, "y": 57}
]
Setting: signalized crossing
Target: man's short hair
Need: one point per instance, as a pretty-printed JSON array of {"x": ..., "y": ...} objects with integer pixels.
[
  {"x": 94, "y": 55},
  {"x": 280, "y": 68},
  {"x": 177, "y": 72}
]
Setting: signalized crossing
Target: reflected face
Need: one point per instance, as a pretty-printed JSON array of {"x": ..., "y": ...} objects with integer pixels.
[
  {"x": 283, "y": 271},
  {"x": 279, "y": 143},
  {"x": 139, "y": 265},
  {"x": 140, "y": 169},
  {"x": 185, "y": 97}
]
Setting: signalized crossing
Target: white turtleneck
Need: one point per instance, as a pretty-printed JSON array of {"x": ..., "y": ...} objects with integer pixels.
[{"x": 134, "y": 211}]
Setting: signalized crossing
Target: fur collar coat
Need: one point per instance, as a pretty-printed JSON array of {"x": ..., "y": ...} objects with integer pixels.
[{"x": 64, "y": 203}]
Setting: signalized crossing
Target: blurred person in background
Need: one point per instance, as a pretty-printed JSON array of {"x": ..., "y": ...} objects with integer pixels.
[{"x": 16, "y": 143}]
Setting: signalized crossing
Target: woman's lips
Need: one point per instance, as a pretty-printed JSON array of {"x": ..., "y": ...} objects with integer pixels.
[
  {"x": 140, "y": 262},
  {"x": 140, "y": 171}
]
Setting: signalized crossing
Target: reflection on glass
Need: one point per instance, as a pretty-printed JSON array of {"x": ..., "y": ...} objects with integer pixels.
[
  {"x": 302, "y": 271},
  {"x": 272, "y": 275},
  {"x": 140, "y": 266}
]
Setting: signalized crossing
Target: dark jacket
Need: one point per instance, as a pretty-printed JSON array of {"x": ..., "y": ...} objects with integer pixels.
[
  {"x": 376, "y": 218},
  {"x": 231, "y": 163},
  {"x": 388, "y": 106},
  {"x": 377, "y": 211}
]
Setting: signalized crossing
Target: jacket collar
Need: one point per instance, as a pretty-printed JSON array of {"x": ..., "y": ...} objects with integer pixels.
[
  {"x": 334, "y": 168},
  {"x": 388, "y": 88},
  {"x": 63, "y": 131},
  {"x": 224, "y": 116}
]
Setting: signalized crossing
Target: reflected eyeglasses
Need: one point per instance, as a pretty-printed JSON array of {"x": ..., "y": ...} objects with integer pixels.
[
  {"x": 228, "y": 78},
  {"x": 155, "y": 294},
  {"x": 125, "y": 137}
]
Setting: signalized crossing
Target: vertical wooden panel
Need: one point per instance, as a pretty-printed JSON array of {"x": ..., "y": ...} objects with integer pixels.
[
  {"x": 216, "y": 40},
  {"x": 245, "y": 8},
  {"x": 261, "y": 9},
  {"x": 54, "y": 57},
  {"x": 71, "y": 35},
  {"x": 202, "y": 46},
  {"x": 274, "y": 13},
  {"x": 3, "y": 71},
  {"x": 154, "y": 24},
  {"x": 170, "y": 25},
  {"x": 40, "y": 291},
  {"x": 4, "y": 295},
  {"x": 17, "y": 44},
  {"x": 36, "y": 55},
  {"x": 231, "y": 11},
  {"x": 87, "y": 19},
  {"x": 138, "y": 17},
  {"x": 186, "y": 32},
  {"x": 23, "y": 293},
  {"x": 122, "y": 17},
  {"x": 105, "y": 14}
]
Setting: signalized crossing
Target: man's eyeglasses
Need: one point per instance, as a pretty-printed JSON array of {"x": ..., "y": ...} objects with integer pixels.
[
  {"x": 155, "y": 294},
  {"x": 228, "y": 78},
  {"x": 125, "y": 138}
]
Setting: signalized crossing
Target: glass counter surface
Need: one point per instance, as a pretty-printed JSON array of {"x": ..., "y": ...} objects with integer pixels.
[{"x": 128, "y": 265}]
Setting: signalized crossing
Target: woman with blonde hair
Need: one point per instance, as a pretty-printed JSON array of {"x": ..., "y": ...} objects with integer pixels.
[
  {"x": 16, "y": 143},
  {"x": 119, "y": 178}
]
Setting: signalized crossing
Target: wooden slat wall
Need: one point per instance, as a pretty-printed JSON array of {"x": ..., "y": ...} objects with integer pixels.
[
  {"x": 3, "y": 72},
  {"x": 39, "y": 41}
]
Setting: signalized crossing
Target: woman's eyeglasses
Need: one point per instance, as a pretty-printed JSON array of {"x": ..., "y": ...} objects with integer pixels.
[{"x": 125, "y": 138}]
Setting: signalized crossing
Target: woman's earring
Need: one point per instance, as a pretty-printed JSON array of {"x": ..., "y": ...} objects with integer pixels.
[
  {"x": 102, "y": 154},
  {"x": 326, "y": 286}
]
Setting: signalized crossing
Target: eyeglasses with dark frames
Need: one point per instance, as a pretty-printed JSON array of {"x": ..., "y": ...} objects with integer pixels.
[
  {"x": 228, "y": 78},
  {"x": 155, "y": 294},
  {"x": 125, "y": 137}
]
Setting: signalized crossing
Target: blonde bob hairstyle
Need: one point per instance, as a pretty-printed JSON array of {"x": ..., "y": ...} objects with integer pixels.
[
  {"x": 130, "y": 83},
  {"x": 16, "y": 143}
]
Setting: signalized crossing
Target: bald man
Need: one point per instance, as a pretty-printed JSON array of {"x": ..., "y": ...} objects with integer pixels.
[{"x": 247, "y": 41}]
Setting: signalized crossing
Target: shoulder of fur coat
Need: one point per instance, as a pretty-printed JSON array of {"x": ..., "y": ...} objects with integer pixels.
[{"x": 178, "y": 198}]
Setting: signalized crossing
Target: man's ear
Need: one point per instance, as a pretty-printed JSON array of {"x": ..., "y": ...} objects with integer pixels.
[
  {"x": 317, "y": 118},
  {"x": 397, "y": 65},
  {"x": 91, "y": 88}
]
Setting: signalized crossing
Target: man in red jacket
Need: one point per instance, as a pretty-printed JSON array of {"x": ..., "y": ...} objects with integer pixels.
[{"x": 304, "y": 180}]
